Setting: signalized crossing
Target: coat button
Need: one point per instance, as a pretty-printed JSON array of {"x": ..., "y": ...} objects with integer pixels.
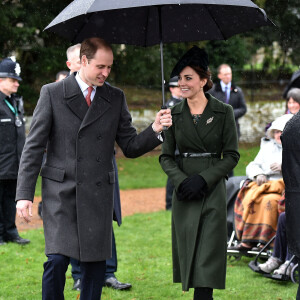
[
  {"x": 79, "y": 183},
  {"x": 79, "y": 158},
  {"x": 99, "y": 137},
  {"x": 79, "y": 136},
  {"x": 98, "y": 159},
  {"x": 98, "y": 183}
]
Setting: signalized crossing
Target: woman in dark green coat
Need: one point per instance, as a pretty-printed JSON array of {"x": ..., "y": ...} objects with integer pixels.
[{"x": 205, "y": 134}]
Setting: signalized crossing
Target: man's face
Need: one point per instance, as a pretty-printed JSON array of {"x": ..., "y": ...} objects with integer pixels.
[
  {"x": 74, "y": 60},
  {"x": 9, "y": 86},
  {"x": 96, "y": 70},
  {"x": 225, "y": 75},
  {"x": 175, "y": 91}
]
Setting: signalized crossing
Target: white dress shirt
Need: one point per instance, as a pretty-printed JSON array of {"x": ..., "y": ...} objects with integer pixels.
[{"x": 84, "y": 87}]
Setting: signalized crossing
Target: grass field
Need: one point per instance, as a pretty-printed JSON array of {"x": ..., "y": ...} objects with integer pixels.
[
  {"x": 144, "y": 257},
  {"x": 144, "y": 253}
]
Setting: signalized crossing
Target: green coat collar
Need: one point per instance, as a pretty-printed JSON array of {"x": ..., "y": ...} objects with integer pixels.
[
  {"x": 213, "y": 103},
  {"x": 211, "y": 116}
]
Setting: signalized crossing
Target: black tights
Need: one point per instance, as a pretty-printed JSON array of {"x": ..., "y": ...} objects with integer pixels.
[{"x": 203, "y": 293}]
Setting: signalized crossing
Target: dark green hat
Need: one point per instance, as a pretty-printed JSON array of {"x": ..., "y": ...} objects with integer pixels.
[{"x": 194, "y": 57}]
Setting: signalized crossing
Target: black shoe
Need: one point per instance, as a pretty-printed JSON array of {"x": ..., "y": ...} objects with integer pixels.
[
  {"x": 117, "y": 285},
  {"x": 18, "y": 240},
  {"x": 77, "y": 285}
]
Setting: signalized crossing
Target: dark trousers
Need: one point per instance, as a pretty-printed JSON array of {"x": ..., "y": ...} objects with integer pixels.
[
  {"x": 8, "y": 229},
  {"x": 54, "y": 278},
  {"x": 280, "y": 246},
  {"x": 111, "y": 264},
  {"x": 169, "y": 194}
]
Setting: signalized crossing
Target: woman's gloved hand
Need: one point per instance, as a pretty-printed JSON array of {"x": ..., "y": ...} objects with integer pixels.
[
  {"x": 261, "y": 179},
  {"x": 192, "y": 188}
]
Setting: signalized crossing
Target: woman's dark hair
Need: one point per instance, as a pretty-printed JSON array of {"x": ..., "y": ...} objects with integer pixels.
[
  {"x": 204, "y": 75},
  {"x": 90, "y": 46}
]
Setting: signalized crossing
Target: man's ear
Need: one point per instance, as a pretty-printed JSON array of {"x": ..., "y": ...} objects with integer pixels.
[
  {"x": 68, "y": 63},
  {"x": 84, "y": 60},
  {"x": 219, "y": 76}
]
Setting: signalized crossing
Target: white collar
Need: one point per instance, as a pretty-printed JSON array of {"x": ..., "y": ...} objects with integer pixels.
[
  {"x": 223, "y": 85},
  {"x": 83, "y": 86}
]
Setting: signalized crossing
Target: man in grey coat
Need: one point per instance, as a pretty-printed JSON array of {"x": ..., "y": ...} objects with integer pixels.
[{"x": 78, "y": 175}]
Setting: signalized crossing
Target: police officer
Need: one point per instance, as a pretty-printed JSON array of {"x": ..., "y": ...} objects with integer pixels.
[
  {"x": 12, "y": 139},
  {"x": 176, "y": 97}
]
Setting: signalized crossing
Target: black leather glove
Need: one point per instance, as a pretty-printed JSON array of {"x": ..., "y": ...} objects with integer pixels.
[{"x": 192, "y": 188}]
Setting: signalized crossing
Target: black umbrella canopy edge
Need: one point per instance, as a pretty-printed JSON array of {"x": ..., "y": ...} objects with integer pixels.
[{"x": 76, "y": 8}]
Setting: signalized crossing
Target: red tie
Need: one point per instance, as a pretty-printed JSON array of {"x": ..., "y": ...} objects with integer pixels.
[{"x": 88, "y": 96}]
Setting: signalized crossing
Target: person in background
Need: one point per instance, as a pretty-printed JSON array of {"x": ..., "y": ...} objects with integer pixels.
[
  {"x": 293, "y": 101},
  {"x": 78, "y": 120},
  {"x": 61, "y": 75},
  {"x": 73, "y": 58},
  {"x": 12, "y": 139},
  {"x": 175, "y": 99},
  {"x": 226, "y": 91},
  {"x": 279, "y": 262},
  {"x": 257, "y": 204},
  {"x": 204, "y": 132}
]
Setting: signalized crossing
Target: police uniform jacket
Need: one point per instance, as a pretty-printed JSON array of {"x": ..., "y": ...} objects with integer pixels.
[
  {"x": 236, "y": 100},
  {"x": 12, "y": 138},
  {"x": 78, "y": 174},
  {"x": 199, "y": 228}
]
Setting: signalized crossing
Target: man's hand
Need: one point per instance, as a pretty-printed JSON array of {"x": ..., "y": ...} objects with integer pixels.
[
  {"x": 163, "y": 118},
  {"x": 275, "y": 167},
  {"x": 24, "y": 209},
  {"x": 261, "y": 179}
]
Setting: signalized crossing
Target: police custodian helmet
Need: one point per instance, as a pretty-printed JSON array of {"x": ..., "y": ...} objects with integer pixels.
[{"x": 9, "y": 68}]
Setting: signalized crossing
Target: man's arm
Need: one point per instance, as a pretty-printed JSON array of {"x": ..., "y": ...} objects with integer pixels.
[
  {"x": 242, "y": 108},
  {"x": 32, "y": 155}
]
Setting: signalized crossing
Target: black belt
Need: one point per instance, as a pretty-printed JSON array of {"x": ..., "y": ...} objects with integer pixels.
[{"x": 214, "y": 155}]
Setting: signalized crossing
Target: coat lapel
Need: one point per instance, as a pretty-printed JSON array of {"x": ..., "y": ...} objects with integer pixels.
[
  {"x": 74, "y": 97},
  {"x": 208, "y": 120},
  {"x": 100, "y": 104},
  {"x": 196, "y": 134}
]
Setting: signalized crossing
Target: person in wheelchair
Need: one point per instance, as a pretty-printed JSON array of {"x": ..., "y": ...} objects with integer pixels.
[
  {"x": 256, "y": 207},
  {"x": 279, "y": 262}
]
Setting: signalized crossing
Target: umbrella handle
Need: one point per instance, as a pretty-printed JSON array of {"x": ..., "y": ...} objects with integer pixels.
[{"x": 164, "y": 127}]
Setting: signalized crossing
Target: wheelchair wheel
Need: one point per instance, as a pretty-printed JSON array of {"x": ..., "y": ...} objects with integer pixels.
[{"x": 295, "y": 274}]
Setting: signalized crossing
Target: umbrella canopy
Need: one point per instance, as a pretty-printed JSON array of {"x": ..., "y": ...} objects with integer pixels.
[{"x": 149, "y": 22}]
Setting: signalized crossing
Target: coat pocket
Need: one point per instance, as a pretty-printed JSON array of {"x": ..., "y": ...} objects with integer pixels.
[
  {"x": 112, "y": 177},
  {"x": 53, "y": 173}
]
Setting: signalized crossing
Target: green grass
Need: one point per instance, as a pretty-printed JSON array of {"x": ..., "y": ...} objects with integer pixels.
[
  {"x": 144, "y": 260},
  {"x": 146, "y": 172}
]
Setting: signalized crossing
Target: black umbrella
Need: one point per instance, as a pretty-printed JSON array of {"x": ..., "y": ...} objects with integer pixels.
[{"x": 150, "y": 22}]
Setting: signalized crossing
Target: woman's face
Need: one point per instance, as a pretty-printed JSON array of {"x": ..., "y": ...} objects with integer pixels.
[
  {"x": 293, "y": 106},
  {"x": 190, "y": 83},
  {"x": 277, "y": 134}
]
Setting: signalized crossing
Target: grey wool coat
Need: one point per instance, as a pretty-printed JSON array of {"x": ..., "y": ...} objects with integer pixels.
[
  {"x": 78, "y": 173},
  {"x": 199, "y": 228}
]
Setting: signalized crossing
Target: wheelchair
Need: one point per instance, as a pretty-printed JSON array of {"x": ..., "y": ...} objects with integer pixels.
[{"x": 254, "y": 266}]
